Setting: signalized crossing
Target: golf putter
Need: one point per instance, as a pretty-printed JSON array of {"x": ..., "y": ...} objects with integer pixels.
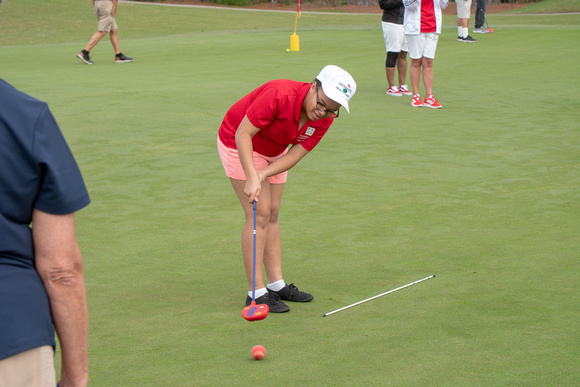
[
  {"x": 490, "y": 30},
  {"x": 255, "y": 312}
]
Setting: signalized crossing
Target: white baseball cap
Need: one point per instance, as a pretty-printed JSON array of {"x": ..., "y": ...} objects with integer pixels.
[{"x": 337, "y": 84}]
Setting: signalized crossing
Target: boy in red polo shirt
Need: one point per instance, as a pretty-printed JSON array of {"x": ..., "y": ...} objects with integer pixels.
[{"x": 262, "y": 136}]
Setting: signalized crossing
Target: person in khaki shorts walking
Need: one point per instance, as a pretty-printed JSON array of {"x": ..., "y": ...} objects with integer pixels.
[
  {"x": 105, "y": 11},
  {"x": 463, "y": 10}
]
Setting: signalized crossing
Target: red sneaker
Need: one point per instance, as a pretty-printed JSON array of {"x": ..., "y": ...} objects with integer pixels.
[
  {"x": 394, "y": 91},
  {"x": 416, "y": 102},
  {"x": 431, "y": 102},
  {"x": 404, "y": 90}
]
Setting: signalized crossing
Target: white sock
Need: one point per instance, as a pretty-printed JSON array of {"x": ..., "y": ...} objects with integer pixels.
[
  {"x": 277, "y": 286},
  {"x": 259, "y": 292},
  {"x": 465, "y": 32},
  {"x": 460, "y": 32}
]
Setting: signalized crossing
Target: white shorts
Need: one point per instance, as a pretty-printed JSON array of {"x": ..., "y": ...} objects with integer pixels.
[
  {"x": 463, "y": 7},
  {"x": 394, "y": 35},
  {"x": 422, "y": 45}
]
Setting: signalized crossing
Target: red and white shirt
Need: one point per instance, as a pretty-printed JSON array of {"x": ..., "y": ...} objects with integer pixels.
[
  {"x": 275, "y": 109},
  {"x": 428, "y": 22}
]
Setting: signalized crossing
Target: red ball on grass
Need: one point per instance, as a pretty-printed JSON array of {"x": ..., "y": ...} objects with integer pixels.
[{"x": 258, "y": 352}]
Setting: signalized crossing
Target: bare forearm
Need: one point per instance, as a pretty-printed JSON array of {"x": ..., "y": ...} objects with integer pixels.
[
  {"x": 286, "y": 162},
  {"x": 69, "y": 312},
  {"x": 60, "y": 266}
]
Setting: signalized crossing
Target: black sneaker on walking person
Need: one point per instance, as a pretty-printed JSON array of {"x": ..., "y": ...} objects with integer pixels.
[
  {"x": 291, "y": 293},
  {"x": 467, "y": 39},
  {"x": 120, "y": 58},
  {"x": 84, "y": 56},
  {"x": 273, "y": 302}
]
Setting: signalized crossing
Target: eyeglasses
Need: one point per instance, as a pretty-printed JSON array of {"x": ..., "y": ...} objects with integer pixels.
[{"x": 323, "y": 109}]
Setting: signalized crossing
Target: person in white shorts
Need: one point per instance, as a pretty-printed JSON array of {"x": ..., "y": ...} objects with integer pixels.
[
  {"x": 463, "y": 8},
  {"x": 396, "y": 45},
  {"x": 422, "y": 28}
]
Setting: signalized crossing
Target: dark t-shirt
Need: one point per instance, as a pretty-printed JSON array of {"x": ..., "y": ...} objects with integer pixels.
[{"x": 37, "y": 170}]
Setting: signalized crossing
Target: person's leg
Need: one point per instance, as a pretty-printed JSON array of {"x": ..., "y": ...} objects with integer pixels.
[
  {"x": 390, "y": 67},
  {"x": 272, "y": 248},
  {"x": 482, "y": 7},
  {"x": 462, "y": 30},
  {"x": 416, "y": 45},
  {"x": 273, "y": 253},
  {"x": 415, "y": 73},
  {"x": 463, "y": 10},
  {"x": 402, "y": 67},
  {"x": 390, "y": 75},
  {"x": 115, "y": 41},
  {"x": 262, "y": 221},
  {"x": 97, "y": 36},
  {"x": 427, "y": 66},
  {"x": 391, "y": 61},
  {"x": 480, "y": 14}
]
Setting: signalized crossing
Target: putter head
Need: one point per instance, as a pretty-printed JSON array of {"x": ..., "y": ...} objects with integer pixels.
[{"x": 255, "y": 312}]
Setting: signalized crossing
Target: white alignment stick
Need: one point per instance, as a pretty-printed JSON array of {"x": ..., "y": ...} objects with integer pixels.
[{"x": 379, "y": 295}]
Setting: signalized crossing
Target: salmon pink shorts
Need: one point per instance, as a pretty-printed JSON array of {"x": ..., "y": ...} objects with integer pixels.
[{"x": 231, "y": 162}]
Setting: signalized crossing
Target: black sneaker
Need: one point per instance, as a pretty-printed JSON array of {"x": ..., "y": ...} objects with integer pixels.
[
  {"x": 469, "y": 39},
  {"x": 120, "y": 58},
  {"x": 291, "y": 293},
  {"x": 273, "y": 302},
  {"x": 84, "y": 56}
]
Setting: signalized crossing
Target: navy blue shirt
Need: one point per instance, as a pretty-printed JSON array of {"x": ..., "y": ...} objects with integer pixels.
[{"x": 37, "y": 170}]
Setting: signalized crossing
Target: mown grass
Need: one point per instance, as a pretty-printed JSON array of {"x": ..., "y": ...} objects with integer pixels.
[{"x": 483, "y": 193}]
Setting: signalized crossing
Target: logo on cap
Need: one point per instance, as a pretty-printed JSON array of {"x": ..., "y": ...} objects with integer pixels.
[{"x": 346, "y": 89}]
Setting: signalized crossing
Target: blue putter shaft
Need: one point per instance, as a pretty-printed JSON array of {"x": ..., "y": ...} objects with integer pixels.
[
  {"x": 378, "y": 295},
  {"x": 254, "y": 257}
]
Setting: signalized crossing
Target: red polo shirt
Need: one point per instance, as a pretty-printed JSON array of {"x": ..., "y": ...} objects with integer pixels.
[
  {"x": 428, "y": 22},
  {"x": 275, "y": 109}
]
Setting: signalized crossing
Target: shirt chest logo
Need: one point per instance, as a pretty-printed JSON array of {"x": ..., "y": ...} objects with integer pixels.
[{"x": 309, "y": 132}]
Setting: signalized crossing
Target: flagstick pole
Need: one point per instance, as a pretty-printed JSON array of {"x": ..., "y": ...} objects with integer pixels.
[{"x": 294, "y": 39}]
